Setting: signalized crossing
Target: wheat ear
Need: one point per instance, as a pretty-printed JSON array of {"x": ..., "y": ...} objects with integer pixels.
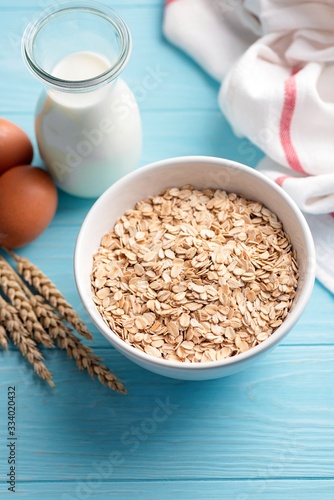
[
  {"x": 37, "y": 279},
  {"x": 87, "y": 360},
  {"x": 12, "y": 288},
  {"x": 3, "y": 338},
  {"x": 83, "y": 355},
  {"x": 10, "y": 320}
]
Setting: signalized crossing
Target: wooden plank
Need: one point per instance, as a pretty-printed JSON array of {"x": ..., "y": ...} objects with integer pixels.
[
  {"x": 180, "y": 490},
  {"x": 179, "y": 133},
  {"x": 274, "y": 420}
]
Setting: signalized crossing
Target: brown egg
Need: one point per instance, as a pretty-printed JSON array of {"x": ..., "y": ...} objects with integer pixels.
[
  {"x": 28, "y": 202},
  {"x": 15, "y": 146}
]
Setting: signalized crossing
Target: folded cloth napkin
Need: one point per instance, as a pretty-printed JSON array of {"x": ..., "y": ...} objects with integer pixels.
[{"x": 276, "y": 61}]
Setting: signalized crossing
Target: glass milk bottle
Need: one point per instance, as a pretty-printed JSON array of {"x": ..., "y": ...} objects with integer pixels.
[{"x": 87, "y": 120}]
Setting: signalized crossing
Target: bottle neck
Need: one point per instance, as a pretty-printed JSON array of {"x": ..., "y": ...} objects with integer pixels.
[{"x": 76, "y": 47}]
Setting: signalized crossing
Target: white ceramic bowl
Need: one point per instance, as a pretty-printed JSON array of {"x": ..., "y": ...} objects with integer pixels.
[{"x": 202, "y": 173}]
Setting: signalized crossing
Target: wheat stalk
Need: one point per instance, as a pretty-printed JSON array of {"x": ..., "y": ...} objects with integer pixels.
[
  {"x": 48, "y": 309},
  {"x": 12, "y": 288},
  {"x": 37, "y": 279},
  {"x": 3, "y": 338},
  {"x": 50, "y": 320},
  {"x": 83, "y": 355},
  {"x": 10, "y": 320},
  {"x": 87, "y": 360}
]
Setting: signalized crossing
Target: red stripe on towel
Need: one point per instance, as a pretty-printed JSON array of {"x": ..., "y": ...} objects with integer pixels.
[
  {"x": 290, "y": 98},
  {"x": 167, "y": 2},
  {"x": 281, "y": 179}
]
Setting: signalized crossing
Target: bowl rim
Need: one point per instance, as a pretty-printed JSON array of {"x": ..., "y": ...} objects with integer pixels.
[{"x": 169, "y": 365}]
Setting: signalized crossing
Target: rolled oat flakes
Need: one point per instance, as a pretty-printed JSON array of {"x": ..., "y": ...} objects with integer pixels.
[{"x": 193, "y": 276}]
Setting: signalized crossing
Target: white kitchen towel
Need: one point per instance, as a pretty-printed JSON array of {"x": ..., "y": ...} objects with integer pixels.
[{"x": 276, "y": 61}]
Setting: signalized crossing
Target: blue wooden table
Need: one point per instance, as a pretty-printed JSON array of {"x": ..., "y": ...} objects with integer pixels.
[{"x": 266, "y": 433}]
